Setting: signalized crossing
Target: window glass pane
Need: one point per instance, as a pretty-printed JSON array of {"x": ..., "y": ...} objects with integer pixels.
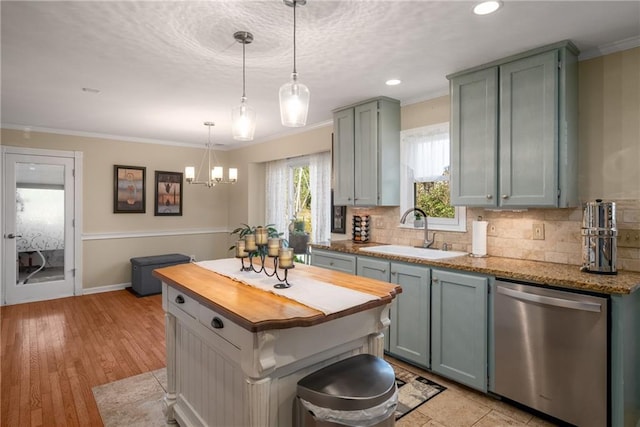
[{"x": 434, "y": 198}]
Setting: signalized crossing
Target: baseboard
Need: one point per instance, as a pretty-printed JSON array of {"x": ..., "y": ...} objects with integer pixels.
[{"x": 106, "y": 288}]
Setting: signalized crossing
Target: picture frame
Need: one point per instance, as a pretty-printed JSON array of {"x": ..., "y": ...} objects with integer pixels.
[
  {"x": 129, "y": 192},
  {"x": 168, "y": 194}
]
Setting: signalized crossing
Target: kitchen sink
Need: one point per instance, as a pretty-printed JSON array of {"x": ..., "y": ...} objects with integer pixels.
[{"x": 412, "y": 252}]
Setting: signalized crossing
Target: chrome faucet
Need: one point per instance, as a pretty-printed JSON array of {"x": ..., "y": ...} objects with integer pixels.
[{"x": 427, "y": 243}]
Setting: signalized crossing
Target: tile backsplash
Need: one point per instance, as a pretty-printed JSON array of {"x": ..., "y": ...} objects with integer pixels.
[{"x": 510, "y": 234}]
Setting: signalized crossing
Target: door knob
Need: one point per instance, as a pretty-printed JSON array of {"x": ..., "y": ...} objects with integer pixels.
[
  {"x": 489, "y": 196},
  {"x": 504, "y": 196}
]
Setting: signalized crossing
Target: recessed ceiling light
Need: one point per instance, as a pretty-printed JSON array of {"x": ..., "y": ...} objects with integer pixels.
[
  {"x": 487, "y": 7},
  {"x": 90, "y": 90},
  {"x": 393, "y": 82}
]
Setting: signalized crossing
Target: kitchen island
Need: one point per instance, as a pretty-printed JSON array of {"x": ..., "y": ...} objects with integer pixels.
[{"x": 235, "y": 352}]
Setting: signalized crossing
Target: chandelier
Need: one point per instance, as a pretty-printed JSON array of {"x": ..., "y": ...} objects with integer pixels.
[{"x": 215, "y": 175}]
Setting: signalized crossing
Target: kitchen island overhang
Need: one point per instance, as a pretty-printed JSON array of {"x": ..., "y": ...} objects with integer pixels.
[{"x": 235, "y": 353}]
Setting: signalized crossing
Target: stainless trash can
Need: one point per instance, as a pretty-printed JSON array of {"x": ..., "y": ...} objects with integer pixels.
[{"x": 357, "y": 391}]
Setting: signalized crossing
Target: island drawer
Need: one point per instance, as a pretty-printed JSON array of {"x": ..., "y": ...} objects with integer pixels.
[
  {"x": 221, "y": 325},
  {"x": 183, "y": 302}
]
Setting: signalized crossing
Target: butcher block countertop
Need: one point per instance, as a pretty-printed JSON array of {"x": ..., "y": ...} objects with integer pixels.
[
  {"x": 560, "y": 275},
  {"x": 257, "y": 310}
]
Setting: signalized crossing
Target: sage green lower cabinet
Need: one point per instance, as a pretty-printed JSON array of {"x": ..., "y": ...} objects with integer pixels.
[
  {"x": 459, "y": 327},
  {"x": 410, "y": 316},
  {"x": 334, "y": 261},
  {"x": 375, "y": 269}
]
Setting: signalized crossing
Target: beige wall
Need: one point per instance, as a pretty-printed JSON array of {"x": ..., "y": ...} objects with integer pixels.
[
  {"x": 609, "y": 132},
  {"x": 106, "y": 261}
]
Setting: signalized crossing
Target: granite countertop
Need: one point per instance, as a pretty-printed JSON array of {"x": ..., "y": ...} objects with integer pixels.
[{"x": 561, "y": 275}]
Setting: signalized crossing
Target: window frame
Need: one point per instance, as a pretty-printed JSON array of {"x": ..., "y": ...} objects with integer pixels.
[{"x": 407, "y": 196}]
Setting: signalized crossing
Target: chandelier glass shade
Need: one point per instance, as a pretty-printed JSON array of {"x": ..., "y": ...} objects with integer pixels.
[
  {"x": 294, "y": 96},
  {"x": 243, "y": 117},
  {"x": 215, "y": 175}
]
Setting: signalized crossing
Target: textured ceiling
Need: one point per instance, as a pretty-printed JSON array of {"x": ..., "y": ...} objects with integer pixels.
[{"x": 163, "y": 68}]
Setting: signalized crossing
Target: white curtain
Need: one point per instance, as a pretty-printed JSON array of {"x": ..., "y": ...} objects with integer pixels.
[
  {"x": 279, "y": 196},
  {"x": 277, "y": 186},
  {"x": 320, "y": 183},
  {"x": 425, "y": 152},
  {"x": 424, "y": 156}
]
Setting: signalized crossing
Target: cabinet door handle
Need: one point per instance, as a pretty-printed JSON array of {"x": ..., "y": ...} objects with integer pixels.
[
  {"x": 180, "y": 299},
  {"x": 489, "y": 196},
  {"x": 217, "y": 323},
  {"x": 504, "y": 196},
  {"x": 435, "y": 280},
  {"x": 331, "y": 263},
  {"x": 393, "y": 273}
]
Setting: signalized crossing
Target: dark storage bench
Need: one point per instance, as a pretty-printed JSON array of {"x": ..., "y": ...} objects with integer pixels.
[{"x": 142, "y": 280}]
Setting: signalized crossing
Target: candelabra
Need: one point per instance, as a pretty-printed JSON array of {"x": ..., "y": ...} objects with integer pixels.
[{"x": 258, "y": 244}]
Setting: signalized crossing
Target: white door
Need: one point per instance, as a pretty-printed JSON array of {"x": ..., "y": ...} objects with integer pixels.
[{"x": 38, "y": 236}]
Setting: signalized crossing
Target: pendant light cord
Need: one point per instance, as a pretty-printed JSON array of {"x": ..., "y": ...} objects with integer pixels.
[
  {"x": 294, "y": 37},
  {"x": 244, "y": 43}
]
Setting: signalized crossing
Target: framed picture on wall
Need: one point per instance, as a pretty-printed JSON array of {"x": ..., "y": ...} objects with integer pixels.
[
  {"x": 129, "y": 189},
  {"x": 168, "y": 200}
]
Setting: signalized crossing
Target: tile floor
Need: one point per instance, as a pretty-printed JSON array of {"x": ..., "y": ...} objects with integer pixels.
[{"x": 460, "y": 406}]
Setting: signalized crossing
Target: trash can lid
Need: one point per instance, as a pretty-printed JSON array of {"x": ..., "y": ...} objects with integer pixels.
[{"x": 358, "y": 382}]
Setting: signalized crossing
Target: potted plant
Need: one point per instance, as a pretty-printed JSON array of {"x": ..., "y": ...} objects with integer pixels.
[
  {"x": 249, "y": 229},
  {"x": 298, "y": 238},
  {"x": 418, "y": 220}
]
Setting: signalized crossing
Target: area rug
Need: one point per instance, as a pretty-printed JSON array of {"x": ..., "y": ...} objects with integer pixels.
[
  {"x": 413, "y": 391},
  {"x": 137, "y": 401}
]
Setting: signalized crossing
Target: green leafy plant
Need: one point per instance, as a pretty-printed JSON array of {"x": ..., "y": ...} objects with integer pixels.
[
  {"x": 434, "y": 198},
  {"x": 272, "y": 232}
]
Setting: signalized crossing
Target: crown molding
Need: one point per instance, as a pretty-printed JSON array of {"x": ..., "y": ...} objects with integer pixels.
[{"x": 606, "y": 49}]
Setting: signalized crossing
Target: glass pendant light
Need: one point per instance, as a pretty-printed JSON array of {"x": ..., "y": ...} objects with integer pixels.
[
  {"x": 243, "y": 117},
  {"x": 294, "y": 96}
]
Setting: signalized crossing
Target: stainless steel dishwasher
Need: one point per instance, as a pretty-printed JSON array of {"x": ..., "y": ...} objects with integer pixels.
[{"x": 551, "y": 351}]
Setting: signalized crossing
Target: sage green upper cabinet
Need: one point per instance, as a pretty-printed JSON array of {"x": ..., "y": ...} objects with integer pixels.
[
  {"x": 514, "y": 131},
  {"x": 366, "y": 153}
]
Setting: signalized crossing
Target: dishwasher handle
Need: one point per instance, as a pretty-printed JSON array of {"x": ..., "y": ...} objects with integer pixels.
[{"x": 556, "y": 302}]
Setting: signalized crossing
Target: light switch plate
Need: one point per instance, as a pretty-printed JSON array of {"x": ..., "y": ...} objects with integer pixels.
[
  {"x": 628, "y": 238},
  {"x": 538, "y": 231}
]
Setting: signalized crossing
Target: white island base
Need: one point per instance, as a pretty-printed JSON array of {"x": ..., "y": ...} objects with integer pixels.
[{"x": 228, "y": 376}]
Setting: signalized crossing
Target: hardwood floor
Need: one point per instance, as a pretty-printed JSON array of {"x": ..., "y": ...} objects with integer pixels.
[{"x": 54, "y": 352}]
